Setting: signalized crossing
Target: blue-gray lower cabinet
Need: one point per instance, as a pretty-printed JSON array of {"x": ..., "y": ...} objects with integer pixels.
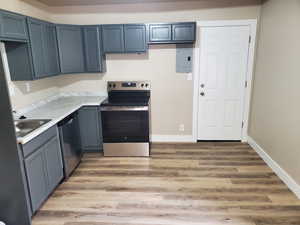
[
  {"x": 37, "y": 178},
  {"x": 113, "y": 38},
  {"x": 95, "y": 60},
  {"x": 135, "y": 38},
  {"x": 43, "y": 166},
  {"x": 13, "y": 26},
  {"x": 54, "y": 163},
  {"x": 90, "y": 129},
  {"x": 70, "y": 46}
]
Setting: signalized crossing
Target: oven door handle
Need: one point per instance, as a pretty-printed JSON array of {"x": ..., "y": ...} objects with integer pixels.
[{"x": 124, "y": 108}]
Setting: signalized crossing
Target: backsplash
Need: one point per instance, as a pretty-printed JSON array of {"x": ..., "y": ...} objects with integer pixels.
[{"x": 44, "y": 101}]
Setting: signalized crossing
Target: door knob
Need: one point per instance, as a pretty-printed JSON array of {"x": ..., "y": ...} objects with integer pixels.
[{"x": 202, "y": 93}]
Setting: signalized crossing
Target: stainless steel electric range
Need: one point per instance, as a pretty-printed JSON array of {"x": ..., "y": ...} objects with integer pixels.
[{"x": 126, "y": 119}]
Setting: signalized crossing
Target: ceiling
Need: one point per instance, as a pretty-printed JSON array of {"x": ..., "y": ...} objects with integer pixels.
[{"x": 99, "y": 2}]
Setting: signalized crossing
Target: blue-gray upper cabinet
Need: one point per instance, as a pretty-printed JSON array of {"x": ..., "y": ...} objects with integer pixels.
[
  {"x": 113, "y": 38},
  {"x": 19, "y": 57},
  {"x": 185, "y": 32},
  {"x": 172, "y": 33},
  {"x": 94, "y": 56},
  {"x": 70, "y": 46},
  {"x": 13, "y": 26},
  {"x": 160, "y": 33},
  {"x": 37, "y": 58},
  {"x": 135, "y": 38},
  {"x": 120, "y": 38},
  {"x": 51, "y": 53},
  {"x": 37, "y": 43}
]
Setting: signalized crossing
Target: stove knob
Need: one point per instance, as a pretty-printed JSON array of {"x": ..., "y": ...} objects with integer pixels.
[
  {"x": 109, "y": 85},
  {"x": 114, "y": 85},
  {"x": 147, "y": 85},
  {"x": 142, "y": 85}
]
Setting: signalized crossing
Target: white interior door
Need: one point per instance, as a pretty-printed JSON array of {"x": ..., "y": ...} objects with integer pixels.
[{"x": 223, "y": 69}]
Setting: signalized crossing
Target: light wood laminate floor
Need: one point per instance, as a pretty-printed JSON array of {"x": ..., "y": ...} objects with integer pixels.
[{"x": 181, "y": 184}]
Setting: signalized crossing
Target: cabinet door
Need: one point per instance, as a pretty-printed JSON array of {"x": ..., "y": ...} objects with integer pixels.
[
  {"x": 89, "y": 128},
  {"x": 113, "y": 38},
  {"x": 184, "y": 32},
  {"x": 54, "y": 164},
  {"x": 70, "y": 45},
  {"x": 93, "y": 49},
  {"x": 19, "y": 59},
  {"x": 51, "y": 50},
  {"x": 36, "y": 34},
  {"x": 100, "y": 129},
  {"x": 37, "y": 178},
  {"x": 13, "y": 26},
  {"x": 160, "y": 33},
  {"x": 135, "y": 38}
]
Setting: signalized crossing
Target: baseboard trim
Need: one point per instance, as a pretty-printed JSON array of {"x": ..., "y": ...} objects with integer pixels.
[
  {"x": 172, "y": 138},
  {"x": 281, "y": 173}
]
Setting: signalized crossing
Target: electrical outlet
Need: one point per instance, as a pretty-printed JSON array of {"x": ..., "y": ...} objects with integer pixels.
[
  {"x": 181, "y": 127},
  {"x": 28, "y": 87}
]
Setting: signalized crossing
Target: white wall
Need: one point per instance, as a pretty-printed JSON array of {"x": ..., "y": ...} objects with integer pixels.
[{"x": 275, "y": 104}]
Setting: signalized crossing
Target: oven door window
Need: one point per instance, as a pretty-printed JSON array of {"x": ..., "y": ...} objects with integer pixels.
[{"x": 125, "y": 126}]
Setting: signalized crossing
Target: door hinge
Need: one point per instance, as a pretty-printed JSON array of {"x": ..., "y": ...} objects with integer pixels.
[
  {"x": 246, "y": 84},
  {"x": 250, "y": 39},
  {"x": 242, "y": 124}
]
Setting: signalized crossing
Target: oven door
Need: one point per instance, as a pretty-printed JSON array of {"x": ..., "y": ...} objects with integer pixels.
[{"x": 122, "y": 124}]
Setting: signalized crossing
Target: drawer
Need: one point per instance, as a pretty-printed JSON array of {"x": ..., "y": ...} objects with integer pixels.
[{"x": 38, "y": 141}]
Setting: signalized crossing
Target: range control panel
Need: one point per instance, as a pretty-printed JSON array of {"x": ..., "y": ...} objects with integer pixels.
[{"x": 128, "y": 85}]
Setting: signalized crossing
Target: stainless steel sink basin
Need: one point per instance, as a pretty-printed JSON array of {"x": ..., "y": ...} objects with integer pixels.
[{"x": 24, "y": 127}]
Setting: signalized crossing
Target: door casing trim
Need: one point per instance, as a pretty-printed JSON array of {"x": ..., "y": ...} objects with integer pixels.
[{"x": 249, "y": 76}]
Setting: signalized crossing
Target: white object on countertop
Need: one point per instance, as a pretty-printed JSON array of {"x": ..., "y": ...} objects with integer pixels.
[{"x": 1, "y": 223}]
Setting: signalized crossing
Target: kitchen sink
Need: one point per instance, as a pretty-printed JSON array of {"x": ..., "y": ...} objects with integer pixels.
[{"x": 24, "y": 127}]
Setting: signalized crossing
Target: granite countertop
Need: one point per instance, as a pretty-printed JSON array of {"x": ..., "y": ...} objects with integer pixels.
[{"x": 56, "y": 110}]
